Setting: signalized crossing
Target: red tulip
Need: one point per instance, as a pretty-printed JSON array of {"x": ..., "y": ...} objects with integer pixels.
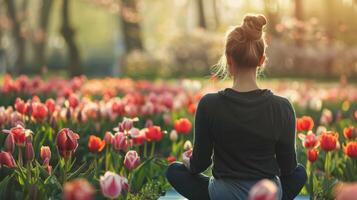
[
  {"x": 10, "y": 143},
  {"x": 351, "y": 149},
  {"x": 183, "y": 125},
  {"x": 139, "y": 139},
  {"x": 19, "y": 134},
  {"x": 118, "y": 107},
  {"x": 309, "y": 141},
  {"x": 192, "y": 108},
  {"x": 349, "y": 133},
  {"x": 29, "y": 152},
  {"x": 39, "y": 111},
  {"x": 120, "y": 142},
  {"x": 95, "y": 144},
  {"x": 111, "y": 184},
  {"x": 67, "y": 142},
  {"x": 171, "y": 159},
  {"x": 7, "y": 159},
  {"x": 78, "y": 189},
  {"x": 312, "y": 155},
  {"x": 154, "y": 133},
  {"x": 328, "y": 141},
  {"x": 51, "y": 105},
  {"x": 73, "y": 101},
  {"x": 263, "y": 190},
  {"x": 131, "y": 160},
  {"x": 45, "y": 153},
  {"x": 304, "y": 123},
  {"x": 21, "y": 106}
]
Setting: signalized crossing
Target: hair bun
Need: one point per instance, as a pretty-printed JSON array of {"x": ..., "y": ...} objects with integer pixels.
[{"x": 253, "y": 26}]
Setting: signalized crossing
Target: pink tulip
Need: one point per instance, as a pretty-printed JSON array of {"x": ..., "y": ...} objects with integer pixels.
[
  {"x": 78, "y": 189},
  {"x": 120, "y": 142},
  {"x": 108, "y": 137},
  {"x": 45, "y": 153},
  {"x": 10, "y": 143},
  {"x": 112, "y": 184},
  {"x": 29, "y": 152},
  {"x": 263, "y": 190},
  {"x": 131, "y": 160},
  {"x": 7, "y": 159},
  {"x": 67, "y": 142}
]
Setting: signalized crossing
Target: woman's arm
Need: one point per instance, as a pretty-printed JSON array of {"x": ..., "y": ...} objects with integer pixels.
[
  {"x": 203, "y": 144},
  {"x": 285, "y": 147}
]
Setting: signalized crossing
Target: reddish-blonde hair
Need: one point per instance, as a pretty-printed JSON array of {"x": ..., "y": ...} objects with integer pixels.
[{"x": 245, "y": 44}]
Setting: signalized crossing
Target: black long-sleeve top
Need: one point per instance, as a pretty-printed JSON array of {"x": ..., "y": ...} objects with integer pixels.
[{"x": 249, "y": 135}]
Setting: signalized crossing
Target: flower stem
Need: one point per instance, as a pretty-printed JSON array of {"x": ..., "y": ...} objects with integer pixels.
[
  {"x": 152, "y": 149},
  {"x": 145, "y": 149},
  {"x": 20, "y": 156}
]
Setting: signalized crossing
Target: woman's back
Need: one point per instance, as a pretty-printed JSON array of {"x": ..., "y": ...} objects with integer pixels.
[{"x": 247, "y": 129}]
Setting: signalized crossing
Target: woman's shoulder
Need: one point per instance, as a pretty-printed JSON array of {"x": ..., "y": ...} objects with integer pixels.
[{"x": 283, "y": 103}]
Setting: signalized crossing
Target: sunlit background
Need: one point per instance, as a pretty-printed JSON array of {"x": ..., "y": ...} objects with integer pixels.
[{"x": 172, "y": 38}]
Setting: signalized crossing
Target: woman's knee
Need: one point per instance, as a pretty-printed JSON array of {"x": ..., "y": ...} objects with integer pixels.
[{"x": 173, "y": 170}]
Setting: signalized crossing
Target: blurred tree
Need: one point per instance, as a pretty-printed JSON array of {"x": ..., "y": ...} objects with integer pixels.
[
  {"x": 216, "y": 13},
  {"x": 271, "y": 10},
  {"x": 16, "y": 32},
  {"x": 299, "y": 16},
  {"x": 201, "y": 14},
  {"x": 131, "y": 27},
  {"x": 41, "y": 35},
  {"x": 68, "y": 34}
]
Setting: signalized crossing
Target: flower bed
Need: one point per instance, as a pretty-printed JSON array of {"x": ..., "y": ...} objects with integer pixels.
[{"x": 113, "y": 138}]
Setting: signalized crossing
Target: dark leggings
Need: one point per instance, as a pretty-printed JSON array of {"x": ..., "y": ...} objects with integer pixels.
[{"x": 195, "y": 186}]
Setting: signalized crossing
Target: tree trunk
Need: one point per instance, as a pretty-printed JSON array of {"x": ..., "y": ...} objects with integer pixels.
[
  {"x": 299, "y": 15},
  {"x": 68, "y": 34},
  {"x": 201, "y": 15},
  {"x": 19, "y": 40},
  {"x": 272, "y": 17},
  {"x": 216, "y": 14},
  {"x": 130, "y": 21},
  {"x": 40, "y": 44}
]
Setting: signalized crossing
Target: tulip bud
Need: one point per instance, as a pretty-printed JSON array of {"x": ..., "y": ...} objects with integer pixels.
[
  {"x": 19, "y": 135},
  {"x": 111, "y": 184},
  {"x": 45, "y": 153},
  {"x": 7, "y": 159},
  {"x": 312, "y": 155},
  {"x": 51, "y": 105},
  {"x": 131, "y": 160},
  {"x": 264, "y": 189},
  {"x": 183, "y": 126},
  {"x": 120, "y": 141},
  {"x": 78, "y": 189},
  {"x": 187, "y": 145},
  {"x": 29, "y": 152},
  {"x": 108, "y": 137},
  {"x": 10, "y": 143},
  {"x": 167, "y": 118},
  {"x": 173, "y": 135},
  {"x": 154, "y": 133},
  {"x": 149, "y": 123},
  {"x": 127, "y": 124},
  {"x": 67, "y": 142},
  {"x": 95, "y": 144}
]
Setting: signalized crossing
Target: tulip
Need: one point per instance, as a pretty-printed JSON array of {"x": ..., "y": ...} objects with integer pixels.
[
  {"x": 131, "y": 160},
  {"x": 326, "y": 117},
  {"x": 7, "y": 159},
  {"x": 95, "y": 144},
  {"x": 312, "y": 155},
  {"x": 167, "y": 118},
  {"x": 263, "y": 190},
  {"x": 186, "y": 158},
  {"x": 139, "y": 138},
  {"x": 173, "y": 136},
  {"x": 349, "y": 133},
  {"x": 73, "y": 101},
  {"x": 78, "y": 189},
  {"x": 171, "y": 159},
  {"x": 39, "y": 111},
  {"x": 183, "y": 125},
  {"x": 149, "y": 123},
  {"x": 29, "y": 152},
  {"x": 108, "y": 137},
  {"x": 355, "y": 115},
  {"x": 304, "y": 123},
  {"x": 328, "y": 141},
  {"x": 67, "y": 142},
  {"x": 10, "y": 143},
  {"x": 45, "y": 153},
  {"x": 187, "y": 145},
  {"x": 120, "y": 142},
  {"x": 309, "y": 141},
  {"x": 21, "y": 106},
  {"x": 19, "y": 134},
  {"x": 154, "y": 133},
  {"x": 346, "y": 191},
  {"x": 351, "y": 149},
  {"x": 51, "y": 105},
  {"x": 111, "y": 184}
]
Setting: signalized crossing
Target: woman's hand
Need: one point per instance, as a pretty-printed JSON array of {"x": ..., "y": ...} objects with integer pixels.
[{"x": 186, "y": 158}]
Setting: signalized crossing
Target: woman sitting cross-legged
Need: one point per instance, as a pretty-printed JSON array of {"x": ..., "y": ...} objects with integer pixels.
[{"x": 248, "y": 133}]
